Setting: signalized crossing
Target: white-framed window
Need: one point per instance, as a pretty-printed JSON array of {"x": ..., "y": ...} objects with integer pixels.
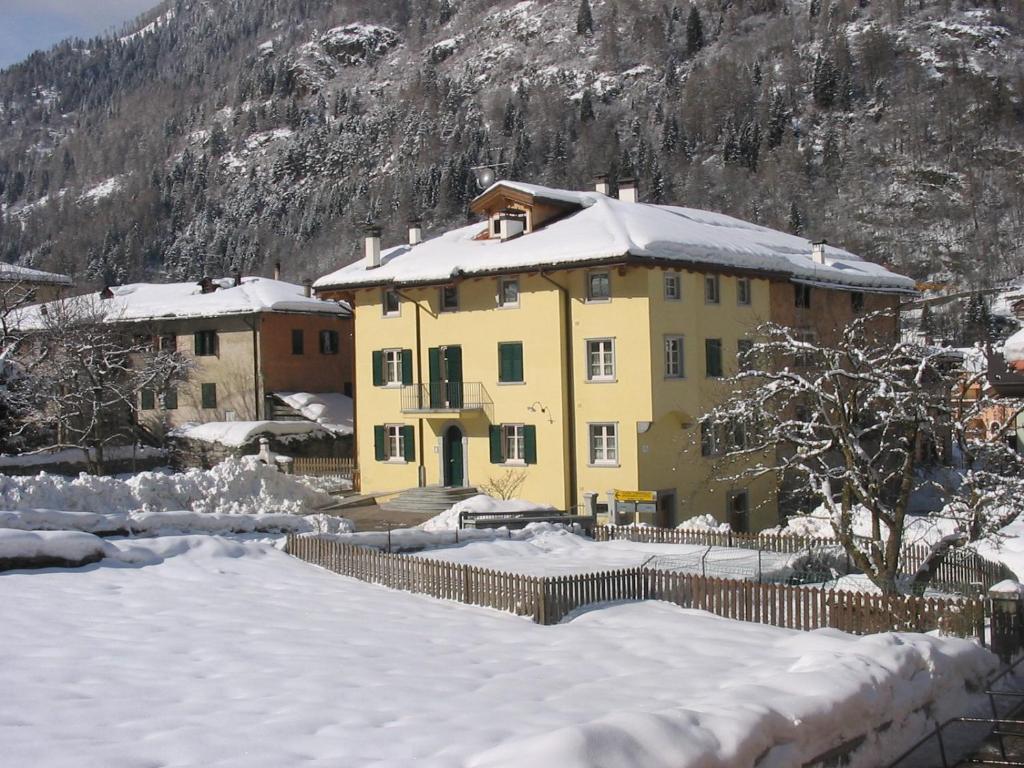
[
  {"x": 513, "y": 443},
  {"x": 743, "y": 291},
  {"x": 600, "y": 359},
  {"x": 508, "y": 292},
  {"x": 394, "y": 442},
  {"x": 599, "y": 286},
  {"x": 673, "y": 286},
  {"x": 392, "y": 367},
  {"x": 391, "y": 304},
  {"x": 604, "y": 444},
  {"x": 712, "y": 289},
  {"x": 674, "y": 357},
  {"x": 449, "y": 298}
]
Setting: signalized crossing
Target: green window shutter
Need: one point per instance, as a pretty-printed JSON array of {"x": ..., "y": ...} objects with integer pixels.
[
  {"x": 209, "y": 395},
  {"x": 148, "y": 400},
  {"x": 517, "y": 362},
  {"x": 407, "y": 366},
  {"x": 530, "y": 443},
  {"x": 378, "y": 368},
  {"x": 197, "y": 343},
  {"x": 434, "y": 358},
  {"x": 510, "y": 362},
  {"x": 171, "y": 399},
  {"x": 497, "y": 455},
  {"x": 378, "y": 443},
  {"x": 410, "y": 443},
  {"x": 454, "y": 360}
]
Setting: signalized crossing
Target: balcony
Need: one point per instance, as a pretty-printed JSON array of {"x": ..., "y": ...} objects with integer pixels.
[{"x": 446, "y": 397}]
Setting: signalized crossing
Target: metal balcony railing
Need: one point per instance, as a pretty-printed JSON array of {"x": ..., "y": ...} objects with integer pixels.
[{"x": 445, "y": 397}]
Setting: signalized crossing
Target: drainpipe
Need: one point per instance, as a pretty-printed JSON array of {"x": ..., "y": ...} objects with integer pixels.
[
  {"x": 571, "y": 385},
  {"x": 256, "y": 364}
]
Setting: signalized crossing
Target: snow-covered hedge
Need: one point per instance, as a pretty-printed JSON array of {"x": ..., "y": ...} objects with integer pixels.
[{"x": 44, "y": 549}]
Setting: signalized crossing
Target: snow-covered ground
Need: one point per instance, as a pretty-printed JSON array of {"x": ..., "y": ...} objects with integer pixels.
[
  {"x": 546, "y": 550},
  {"x": 216, "y": 652}
]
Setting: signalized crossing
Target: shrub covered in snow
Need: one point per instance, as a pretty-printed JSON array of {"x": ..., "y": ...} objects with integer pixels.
[{"x": 40, "y": 549}]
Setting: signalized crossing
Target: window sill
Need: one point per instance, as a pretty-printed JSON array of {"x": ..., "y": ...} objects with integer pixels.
[
  {"x": 675, "y": 378},
  {"x": 514, "y": 464},
  {"x": 391, "y": 316},
  {"x": 598, "y": 301},
  {"x": 604, "y": 465},
  {"x": 511, "y": 383},
  {"x": 508, "y": 306},
  {"x": 392, "y": 385},
  {"x": 394, "y": 461},
  {"x": 603, "y": 381}
]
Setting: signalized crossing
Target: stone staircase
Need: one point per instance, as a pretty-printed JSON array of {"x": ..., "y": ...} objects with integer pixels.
[{"x": 428, "y": 500}]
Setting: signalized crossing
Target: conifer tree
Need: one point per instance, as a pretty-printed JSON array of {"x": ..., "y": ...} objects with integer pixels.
[
  {"x": 584, "y": 20},
  {"x": 694, "y": 32}
]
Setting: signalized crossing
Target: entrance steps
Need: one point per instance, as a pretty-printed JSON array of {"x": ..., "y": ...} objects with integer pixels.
[{"x": 430, "y": 499}]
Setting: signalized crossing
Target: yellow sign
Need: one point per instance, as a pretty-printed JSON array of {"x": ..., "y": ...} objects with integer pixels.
[{"x": 636, "y": 495}]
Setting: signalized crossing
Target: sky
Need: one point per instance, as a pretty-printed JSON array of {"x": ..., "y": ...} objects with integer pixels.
[{"x": 28, "y": 25}]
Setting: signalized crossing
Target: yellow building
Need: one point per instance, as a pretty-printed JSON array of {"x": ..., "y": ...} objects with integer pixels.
[
  {"x": 573, "y": 339},
  {"x": 20, "y": 286}
]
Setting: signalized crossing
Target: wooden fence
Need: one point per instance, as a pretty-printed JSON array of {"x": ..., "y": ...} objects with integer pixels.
[
  {"x": 548, "y": 600},
  {"x": 964, "y": 572},
  {"x": 324, "y": 466}
]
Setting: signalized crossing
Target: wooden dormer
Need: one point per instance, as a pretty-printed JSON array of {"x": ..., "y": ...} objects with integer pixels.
[{"x": 539, "y": 210}]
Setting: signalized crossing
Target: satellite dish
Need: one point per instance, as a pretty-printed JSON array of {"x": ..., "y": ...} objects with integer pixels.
[{"x": 484, "y": 177}]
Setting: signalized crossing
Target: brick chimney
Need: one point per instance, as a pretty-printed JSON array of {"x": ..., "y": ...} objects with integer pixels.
[
  {"x": 602, "y": 185},
  {"x": 206, "y": 285}
]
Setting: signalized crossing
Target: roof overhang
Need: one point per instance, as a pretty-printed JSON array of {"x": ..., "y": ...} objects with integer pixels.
[{"x": 493, "y": 197}]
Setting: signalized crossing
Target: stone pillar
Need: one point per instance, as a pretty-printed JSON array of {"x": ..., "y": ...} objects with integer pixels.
[{"x": 1004, "y": 600}]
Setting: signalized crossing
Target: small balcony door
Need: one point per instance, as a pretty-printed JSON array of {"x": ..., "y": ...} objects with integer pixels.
[{"x": 446, "y": 377}]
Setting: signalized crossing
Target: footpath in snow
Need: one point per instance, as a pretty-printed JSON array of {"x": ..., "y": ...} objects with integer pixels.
[{"x": 223, "y": 653}]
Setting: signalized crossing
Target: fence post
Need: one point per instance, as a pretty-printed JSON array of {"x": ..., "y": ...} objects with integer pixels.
[
  {"x": 1004, "y": 601},
  {"x": 542, "y": 603}
]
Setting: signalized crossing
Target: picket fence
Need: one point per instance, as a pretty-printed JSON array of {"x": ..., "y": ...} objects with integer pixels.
[
  {"x": 548, "y": 600},
  {"x": 324, "y": 466},
  {"x": 964, "y": 572}
]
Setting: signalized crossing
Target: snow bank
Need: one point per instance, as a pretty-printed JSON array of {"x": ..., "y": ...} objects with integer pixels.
[
  {"x": 235, "y": 486},
  {"x": 21, "y": 549},
  {"x": 449, "y": 519},
  {"x": 704, "y": 523},
  {"x": 429, "y": 541}
]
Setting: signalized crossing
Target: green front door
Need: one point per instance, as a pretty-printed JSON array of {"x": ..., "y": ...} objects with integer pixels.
[{"x": 454, "y": 477}]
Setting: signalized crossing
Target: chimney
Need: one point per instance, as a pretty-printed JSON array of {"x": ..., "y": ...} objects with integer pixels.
[
  {"x": 277, "y": 270},
  {"x": 307, "y": 287},
  {"x": 415, "y": 232},
  {"x": 818, "y": 251},
  {"x": 602, "y": 185},
  {"x": 238, "y": 277},
  {"x": 372, "y": 246},
  {"x": 206, "y": 285},
  {"x": 106, "y": 293},
  {"x": 627, "y": 190},
  {"x": 511, "y": 223}
]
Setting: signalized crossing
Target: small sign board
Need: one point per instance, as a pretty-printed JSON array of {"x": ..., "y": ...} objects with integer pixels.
[{"x": 636, "y": 496}]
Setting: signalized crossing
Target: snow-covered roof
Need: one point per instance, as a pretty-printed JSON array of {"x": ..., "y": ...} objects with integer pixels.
[
  {"x": 12, "y": 273},
  {"x": 157, "y": 301},
  {"x": 606, "y": 228},
  {"x": 331, "y": 410},
  {"x": 1013, "y": 349},
  {"x": 238, "y": 433}
]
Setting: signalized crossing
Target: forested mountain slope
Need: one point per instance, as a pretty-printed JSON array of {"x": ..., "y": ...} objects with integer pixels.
[{"x": 222, "y": 134}]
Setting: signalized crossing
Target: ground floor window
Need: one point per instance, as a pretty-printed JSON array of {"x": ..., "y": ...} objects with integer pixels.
[
  {"x": 394, "y": 442},
  {"x": 739, "y": 511},
  {"x": 513, "y": 444}
]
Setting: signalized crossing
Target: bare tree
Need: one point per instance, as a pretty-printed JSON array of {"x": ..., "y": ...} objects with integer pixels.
[
  {"x": 91, "y": 368},
  {"x": 861, "y": 423}
]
